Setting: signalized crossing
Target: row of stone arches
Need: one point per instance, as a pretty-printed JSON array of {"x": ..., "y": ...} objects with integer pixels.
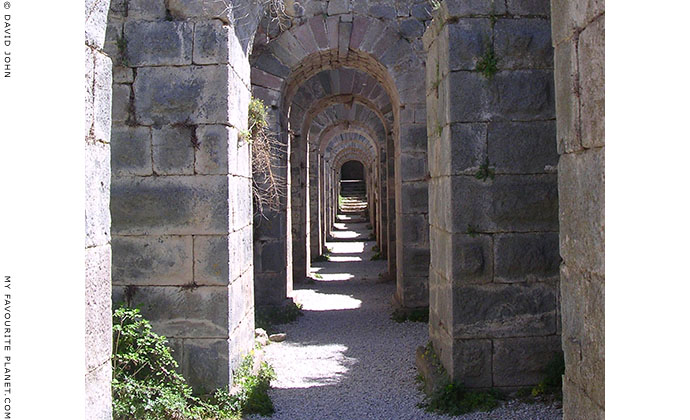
[{"x": 460, "y": 170}]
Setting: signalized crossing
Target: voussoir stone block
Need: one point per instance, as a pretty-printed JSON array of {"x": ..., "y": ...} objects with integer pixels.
[
  {"x": 190, "y": 94},
  {"x": 523, "y": 43},
  {"x": 131, "y": 150},
  {"x": 173, "y": 150},
  {"x": 158, "y": 43},
  {"x": 519, "y": 362},
  {"x": 152, "y": 260},
  {"x": 524, "y": 257},
  {"x": 176, "y": 205},
  {"x": 504, "y": 310},
  {"x": 523, "y": 147}
]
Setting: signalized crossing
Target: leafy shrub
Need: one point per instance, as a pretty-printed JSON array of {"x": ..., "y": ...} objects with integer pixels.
[
  {"x": 454, "y": 399},
  {"x": 147, "y": 386}
]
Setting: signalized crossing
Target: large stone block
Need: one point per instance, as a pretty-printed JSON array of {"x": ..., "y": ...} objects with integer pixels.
[
  {"x": 577, "y": 404},
  {"x": 152, "y": 260},
  {"x": 173, "y": 150},
  {"x": 529, "y": 7},
  {"x": 567, "y": 101},
  {"x": 504, "y": 310},
  {"x": 472, "y": 363},
  {"x": 211, "y": 42},
  {"x": 413, "y": 138},
  {"x": 581, "y": 191},
  {"x": 466, "y": 8},
  {"x": 591, "y": 64},
  {"x": 88, "y": 89},
  {"x": 270, "y": 289},
  {"x": 466, "y": 98},
  {"x": 519, "y": 362},
  {"x": 471, "y": 259},
  {"x": 146, "y": 9},
  {"x": 102, "y": 97},
  {"x": 173, "y": 205},
  {"x": 181, "y": 312},
  {"x": 582, "y": 303},
  {"x": 523, "y": 147},
  {"x": 206, "y": 364},
  {"x": 415, "y": 260},
  {"x": 96, "y": 12},
  {"x": 523, "y": 43},
  {"x": 99, "y": 401},
  {"x": 216, "y": 152},
  {"x": 189, "y": 94},
  {"x": 121, "y": 102},
  {"x": 508, "y": 203},
  {"x": 463, "y": 146},
  {"x": 98, "y": 311},
  {"x": 463, "y": 43},
  {"x": 525, "y": 257},
  {"x": 207, "y": 9},
  {"x": 523, "y": 95},
  {"x": 158, "y": 43},
  {"x": 414, "y": 167},
  {"x": 97, "y": 197},
  {"x": 415, "y": 197},
  {"x": 131, "y": 150}
]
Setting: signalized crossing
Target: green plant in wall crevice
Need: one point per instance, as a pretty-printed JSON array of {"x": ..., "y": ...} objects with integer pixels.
[{"x": 488, "y": 63}]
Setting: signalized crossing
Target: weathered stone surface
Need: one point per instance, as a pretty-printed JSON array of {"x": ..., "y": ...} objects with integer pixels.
[
  {"x": 522, "y": 361},
  {"x": 98, "y": 337},
  {"x": 463, "y": 43},
  {"x": 523, "y": 43},
  {"x": 413, "y": 138},
  {"x": 414, "y": 197},
  {"x": 146, "y": 9},
  {"x": 582, "y": 303},
  {"x": 415, "y": 261},
  {"x": 468, "y": 101},
  {"x": 578, "y": 405},
  {"x": 209, "y": 9},
  {"x": 173, "y": 150},
  {"x": 102, "y": 97},
  {"x": 336, "y": 7},
  {"x": 417, "y": 228},
  {"x": 529, "y": 7},
  {"x": 206, "y": 364},
  {"x": 97, "y": 197},
  {"x": 508, "y": 203},
  {"x": 270, "y": 64},
  {"x": 462, "y": 146},
  {"x": 181, "y": 312},
  {"x": 421, "y": 11},
  {"x": 471, "y": 259},
  {"x": 382, "y": 11},
  {"x": 131, "y": 150},
  {"x": 473, "y": 7},
  {"x": 152, "y": 260},
  {"x": 504, "y": 310},
  {"x": 192, "y": 94},
  {"x": 216, "y": 149},
  {"x": 581, "y": 190},
  {"x": 212, "y": 260},
  {"x": 523, "y": 147},
  {"x": 123, "y": 74},
  {"x": 567, "y": 102},
  {"x": 211, "y": 42},
  {"x": 591, "y": 64},
  {"x": 98, "y": 393},
  {"x": 88, "y": 89},
  {"x": 528, "y": 257},
  {"x": 173, "y": 205},
  {"x": 472, "y": 362},
  {"x": 524, "y": 95},
  {"x": 158, "y": 43},
  {"x": 411, "y": 28},
  {"x": 96, "y": 16},
  {"x": 121, "y": 102}
]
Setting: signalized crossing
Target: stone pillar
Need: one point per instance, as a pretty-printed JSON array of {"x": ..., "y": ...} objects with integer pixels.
[
  {"x": 390, "y": 205},
  {"x": 493, "y": 199},
  {"x": 98, "y": 316},
  {"x": 299, "y": 161},
  {"x": 181, "y": 196},
  {"x": 578, "y": 38},
  {"x": 314, "y": 201}
]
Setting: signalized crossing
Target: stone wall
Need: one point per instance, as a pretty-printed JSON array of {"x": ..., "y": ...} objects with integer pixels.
[
  {"x": 97, "y": 180},
  {"x": 181, "y": 196},
  {"x": 493, "y": 199},
  {"x": 578, "y": 38}
]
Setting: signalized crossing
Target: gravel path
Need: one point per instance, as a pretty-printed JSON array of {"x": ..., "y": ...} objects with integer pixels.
[{"x": 346, "y": 359}]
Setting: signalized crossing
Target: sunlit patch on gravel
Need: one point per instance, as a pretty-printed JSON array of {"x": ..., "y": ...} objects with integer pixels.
[{"x": 312, "y": 300}]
